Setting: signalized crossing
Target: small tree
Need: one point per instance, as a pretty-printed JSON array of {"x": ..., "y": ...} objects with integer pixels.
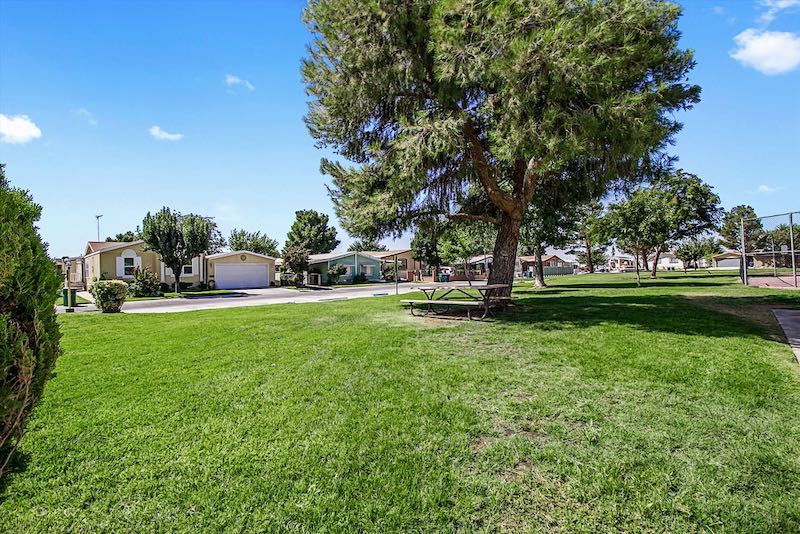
[
  {"x": 295, "y": 259},
  {"x": 126, "y": 236},
  {"x": 461, "y": 241},
  {"x": 588, "y": 235},
  {"x": 310, "y": 231},
  {"x": 425, "y": 244},
  {"x": 336, "y": 270},
  {"x": 177, "y": 238},
  {"x": 254, "y": 242},
  {"x": 731, "y": 228},
  {"x": 634, "y": 223},
  {"x": 29, "y": 335}
]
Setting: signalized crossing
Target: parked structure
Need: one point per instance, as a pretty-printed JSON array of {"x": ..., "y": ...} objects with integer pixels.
[
  {"x": 118, "y": 260},
  {"x": 407, "y": 267},
  {"x": 354, "y": 262}
]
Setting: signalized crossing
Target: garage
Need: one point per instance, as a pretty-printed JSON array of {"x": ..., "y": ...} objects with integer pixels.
[
  {"x": 241, "y": 269},
  {"x": 729, "y": 263}
]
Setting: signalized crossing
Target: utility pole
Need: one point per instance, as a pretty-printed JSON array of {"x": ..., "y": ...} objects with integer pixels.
[
  {"x": 791, "y": 246},
  {"x": 98, "y": 226},
  {"x": 744, "y": 251}
]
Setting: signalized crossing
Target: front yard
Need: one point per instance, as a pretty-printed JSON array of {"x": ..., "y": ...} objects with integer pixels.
[{"x": 594, "y": 407}]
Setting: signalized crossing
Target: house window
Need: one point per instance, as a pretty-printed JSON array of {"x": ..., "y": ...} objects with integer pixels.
[
  {"x": 348, "y": 270},
  {"x": 187, "y": 270},
  {"x": 402, "y": 264},
  {"x": 128, "y": 266},
  {"x": 366, "y": 269}
]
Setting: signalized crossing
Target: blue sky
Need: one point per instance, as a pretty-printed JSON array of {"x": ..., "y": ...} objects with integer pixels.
[{"x": 118, "y": 108}]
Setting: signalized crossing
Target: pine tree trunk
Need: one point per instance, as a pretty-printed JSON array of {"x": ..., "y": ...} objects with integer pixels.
[
  {"x": 655, "y": 262},
  {"x": 505, "y": 253},
  {"x": 589, "y": 256},
  {"x": 638, "y": 278},
  {"x": 537, "y": 253}
]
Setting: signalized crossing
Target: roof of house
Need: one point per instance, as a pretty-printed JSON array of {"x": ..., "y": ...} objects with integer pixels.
[
  {"x": 727, "y": 254},
  {"x": 235, "y": 252},
  {"x": 385, "y": 253},
  {"x": 330, "y": 256},
  {"x": 95, "y": 247}
]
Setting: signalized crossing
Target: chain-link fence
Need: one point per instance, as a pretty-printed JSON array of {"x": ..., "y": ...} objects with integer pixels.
[{"x": 769, "y": 248}]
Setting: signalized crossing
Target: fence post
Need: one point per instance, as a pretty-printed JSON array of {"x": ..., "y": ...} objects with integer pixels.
[
  {"x": 791, "y": 246},
  {"x": 744, "y": 251}
]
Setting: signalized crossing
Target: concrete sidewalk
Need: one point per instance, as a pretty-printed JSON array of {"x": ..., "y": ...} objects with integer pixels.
[
  {"x": 257, "y": 297},
  {"x": 790, "y": 322}
]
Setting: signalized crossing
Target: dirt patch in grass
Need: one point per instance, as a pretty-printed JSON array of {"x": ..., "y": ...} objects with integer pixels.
[{"x": 757, "y": 313}]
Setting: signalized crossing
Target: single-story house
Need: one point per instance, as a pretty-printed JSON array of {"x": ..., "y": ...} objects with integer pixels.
[
  {"x": 408, "y": 268},
  {"x": 669, "y": 261},
  {"x": 239, "y": 269},
  {"x": 117, "y": 260},
  {"x": 621, "y": 262},
  {"x": 354, "y": 263},
  {"x": 732, "y": 260}
]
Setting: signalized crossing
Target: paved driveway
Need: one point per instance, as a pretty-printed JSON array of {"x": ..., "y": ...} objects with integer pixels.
[{"x": 258, "y": 297}]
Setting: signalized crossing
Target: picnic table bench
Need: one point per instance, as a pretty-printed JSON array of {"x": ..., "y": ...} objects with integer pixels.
[{"x": 485, "y": 301}]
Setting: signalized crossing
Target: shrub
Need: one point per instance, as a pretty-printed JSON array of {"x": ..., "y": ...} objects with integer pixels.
[
  {"x": 163, "y": 287},
  {"x": 109, "y": 295},
  {"x": 336, "y": 270},
  {"x": 145, "y": 283},
  {"x": 360, "y": 278},
  {"x": 29, "y": 334},
  {"x": 202, "y": 286}
]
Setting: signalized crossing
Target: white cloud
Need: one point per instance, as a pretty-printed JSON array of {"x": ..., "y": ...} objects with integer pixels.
[
  {"x": 227, "y": 212},
  {"x": 85, "y": 114},
  {"x": 234, "y": 81},
  {"x": 161, "y": 135},
  {"x": 18, "y": 129},
  {"x": 767, "y": 189},
  {"x": 768, "y": 52},
  {"x": 774, "y": 7}
]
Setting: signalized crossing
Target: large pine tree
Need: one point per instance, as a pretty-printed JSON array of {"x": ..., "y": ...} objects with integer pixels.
[{"x": 460, "y": 107}]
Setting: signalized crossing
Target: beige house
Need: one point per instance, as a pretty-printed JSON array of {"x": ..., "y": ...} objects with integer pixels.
[
  {"x": 114, "y": 260},
  {"x": 408, "y": 268}
]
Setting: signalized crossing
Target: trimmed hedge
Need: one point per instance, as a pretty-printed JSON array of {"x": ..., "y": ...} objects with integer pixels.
[
  {"x": 109, "y": 295},
  {"x": 29, "y": 335}
]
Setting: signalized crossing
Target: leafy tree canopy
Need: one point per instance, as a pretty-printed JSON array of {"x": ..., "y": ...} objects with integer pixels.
[
  {"x": 177, "y": 238},
  {"x": 433, "y": 100},
  {"x": 731, "y": 228},
  {"x": 254, "y": 242},
  {"x": 360, "y": 245},
  {"x": 425, "y": 243},
  {"x": 126, "y": 236},
  {"x": 310, "y": 231}
]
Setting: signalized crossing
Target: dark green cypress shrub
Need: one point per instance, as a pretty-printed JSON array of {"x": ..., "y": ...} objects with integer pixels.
[{"x": 29, "y": 334}]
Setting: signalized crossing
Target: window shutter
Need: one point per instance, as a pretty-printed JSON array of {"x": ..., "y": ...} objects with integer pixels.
[
  {"x": 137, "y": 262},
  {"x": 120, "y": 266}
]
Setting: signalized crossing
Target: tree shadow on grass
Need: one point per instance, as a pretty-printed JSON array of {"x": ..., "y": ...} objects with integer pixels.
[
  {"x": 646, "y": 282},
  {"x": 678, "y": 314},
  {"x": 17, "y": 464}
]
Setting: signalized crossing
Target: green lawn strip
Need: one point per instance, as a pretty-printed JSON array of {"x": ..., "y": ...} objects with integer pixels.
[
  {"x": 186, "y": 294},
  {"x": 78, "y": 300},
  {"x": 594, "y": 406}
]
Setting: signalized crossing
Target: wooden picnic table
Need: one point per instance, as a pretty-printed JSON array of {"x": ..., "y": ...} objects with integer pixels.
[{"x": 486, "y": 298}]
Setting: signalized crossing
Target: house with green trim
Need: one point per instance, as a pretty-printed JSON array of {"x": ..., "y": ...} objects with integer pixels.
[{"x": 354, "y": 263}]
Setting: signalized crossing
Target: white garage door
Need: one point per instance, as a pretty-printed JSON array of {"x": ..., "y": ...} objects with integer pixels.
[{"x": 247, "y": 276}]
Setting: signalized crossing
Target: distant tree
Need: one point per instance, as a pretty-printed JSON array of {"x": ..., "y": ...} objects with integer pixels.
[
  {"x": 310, "y": 231},
  {"x": 687, "y": 207},
  {"x": 216, "y": 241},
  {"x": 425, "y": 244},
  {"x": 691, "y": 251},
  {"x": 730, "y": 229},
  {"x": 295, "y": 259},
  {"x": 126, "y": 236},
  {"x": 596, "y": 258},
  {"x": 635, "y": 223},
  {"x": 588, "y": 237},
  {"x": 254, "y": 242},
  {"x": 459, "y": 242},
  {"x": 360, "y": 245},
  {"x": 177, "y": 238},
  {"x": 498, "y": 95}
]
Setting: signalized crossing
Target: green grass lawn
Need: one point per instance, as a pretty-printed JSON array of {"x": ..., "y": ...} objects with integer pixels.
[{"x": 595, "y": 406}]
